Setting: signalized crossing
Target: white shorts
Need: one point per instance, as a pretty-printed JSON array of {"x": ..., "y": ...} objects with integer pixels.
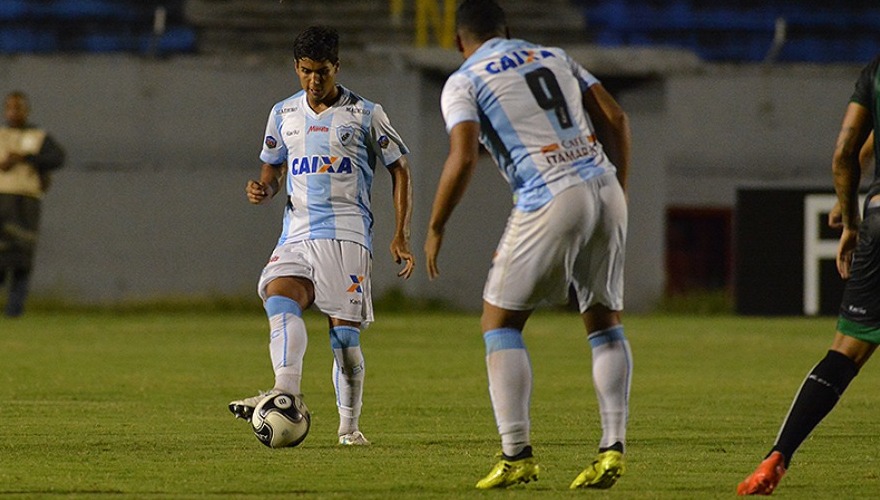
[
  {"x": 340, "y": 271},
  {"x": 577, "y": 239}
]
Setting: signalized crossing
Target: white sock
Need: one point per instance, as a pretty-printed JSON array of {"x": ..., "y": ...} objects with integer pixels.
[
  {"x": 510, "y": 386},
  {"x": 612, "y": 374},
  {"x": 287, "y": 342},
  {"x": 348, "y": 376}
]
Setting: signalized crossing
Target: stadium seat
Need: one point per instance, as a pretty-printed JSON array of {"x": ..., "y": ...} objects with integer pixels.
[
  {"x": 12, "y": 10},
  {"x": 26, "y": 40},
  {"x": 739, "y": 30}
]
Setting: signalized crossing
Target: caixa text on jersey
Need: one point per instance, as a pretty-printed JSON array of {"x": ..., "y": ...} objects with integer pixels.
[{"x": 319, "y": 164}]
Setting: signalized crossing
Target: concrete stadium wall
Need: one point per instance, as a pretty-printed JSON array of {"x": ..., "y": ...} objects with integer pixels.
[
  {"x": 750, "y": 126},
  {"x": 151, "y": 201}
]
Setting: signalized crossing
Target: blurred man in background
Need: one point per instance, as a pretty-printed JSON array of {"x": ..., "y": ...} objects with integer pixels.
[{"x": 28, "y": 155}]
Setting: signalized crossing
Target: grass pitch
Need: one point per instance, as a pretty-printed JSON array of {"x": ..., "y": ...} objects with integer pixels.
[{"x": 134, "y": 405}]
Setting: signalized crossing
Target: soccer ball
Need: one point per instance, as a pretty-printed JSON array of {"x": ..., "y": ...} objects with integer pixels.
[{"x": 281, "y": 420}]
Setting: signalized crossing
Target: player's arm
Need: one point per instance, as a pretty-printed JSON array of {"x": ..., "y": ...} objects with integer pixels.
[
  {"x": 866, "y": 163},
  {"x": 847, "y": 172},
  {"x": 464, "y": 151},
  {"x": 867, "y": 156},
  {"x": 269, "y": 184},
  {"x": 612, "y": 127},
  {"x": 402, "y": 192}
]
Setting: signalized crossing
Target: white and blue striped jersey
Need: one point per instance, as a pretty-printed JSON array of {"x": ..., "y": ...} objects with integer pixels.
[
  {"x": 528, "y": 101},
  {"x": 331, "y": 158}
]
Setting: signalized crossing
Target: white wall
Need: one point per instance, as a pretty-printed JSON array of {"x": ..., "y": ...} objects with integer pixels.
[
  {"x": 151, "y": 202},
  {"x": 740, "y": 126}
]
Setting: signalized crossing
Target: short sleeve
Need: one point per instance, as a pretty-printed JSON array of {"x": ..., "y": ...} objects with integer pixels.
[
  {"x": 387, "y": 143},
  {"x": 274, "y": 151},
  {"x": 864, "y": 90},
  {"x": 458, "y": 101},
  {"x": 585, "y": 78}
]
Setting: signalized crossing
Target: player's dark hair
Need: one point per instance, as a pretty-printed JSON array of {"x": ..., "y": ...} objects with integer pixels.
[
  {"x": 484, "y": 19},
  {"x": 318, "y": 43}
]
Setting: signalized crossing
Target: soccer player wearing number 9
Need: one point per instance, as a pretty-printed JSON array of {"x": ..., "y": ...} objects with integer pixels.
[{"x": 562, "y": 143}]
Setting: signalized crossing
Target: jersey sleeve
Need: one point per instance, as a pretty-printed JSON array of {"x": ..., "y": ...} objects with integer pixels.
[
  {"x": 458, "y": 101},
  {"x": 585, "y": 78},
  {"x": 864, "y": 90},
  {"x": 274, "y": 151},
  {"x": 387, "y": 143}
]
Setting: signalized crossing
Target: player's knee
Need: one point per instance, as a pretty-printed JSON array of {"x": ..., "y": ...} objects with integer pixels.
[
  {"x": 600, "y": 317},
  {"x": 299, "y": 289}
]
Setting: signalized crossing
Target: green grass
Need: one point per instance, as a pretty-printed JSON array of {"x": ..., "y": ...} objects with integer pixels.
[{"x": 134, "y": 404}]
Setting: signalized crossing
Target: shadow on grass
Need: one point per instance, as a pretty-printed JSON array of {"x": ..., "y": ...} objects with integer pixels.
[{"x": 393, "y": 300}]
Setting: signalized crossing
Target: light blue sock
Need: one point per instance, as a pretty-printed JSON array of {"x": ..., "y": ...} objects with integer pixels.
[
  {"x": 287, "y": 342},
  {"x": 612, "y": 375},
  {"x": 510, "y": 386},
  {"x": 348, "y": 376}
]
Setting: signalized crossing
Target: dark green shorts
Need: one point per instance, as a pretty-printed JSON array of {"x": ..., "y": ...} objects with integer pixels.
[
  {"x": 860, "y": 305},
  {"x": 869, "y": 334}
]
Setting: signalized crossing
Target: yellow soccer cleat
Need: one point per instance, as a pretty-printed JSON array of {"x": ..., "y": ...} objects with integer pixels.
[
  {"x": 602, "y": 473},
  {"x": 509, "y": 472}
]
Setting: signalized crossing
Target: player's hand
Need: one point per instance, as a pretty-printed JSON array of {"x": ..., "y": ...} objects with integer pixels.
[
  {"x": 835, "y": 219},
  {"x": 400, "y": 253},
  {"x": 845, "y": 250},
  {"x": 432, "y": 247},
  {"x": 258, "y": 192}
]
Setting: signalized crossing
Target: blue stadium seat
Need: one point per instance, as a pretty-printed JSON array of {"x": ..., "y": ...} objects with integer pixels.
[
  {"x": 12, "y": 10},
  {"x": 14, "y": 40},
  {"x": 739, "y": 30},
  {"x": 28, "y": 26},
  {"x": 107, "y": 42},
  {"x": 178, "y": 39},
  {"x": 101, "y": 9}
]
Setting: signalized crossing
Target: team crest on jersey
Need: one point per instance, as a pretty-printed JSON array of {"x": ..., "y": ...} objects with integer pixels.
[
  {"x": 383, "y": 141},
  {"x": 345, "y": 134},
  {"x": 355, "y": 286},
  {"x": 271, "y": 142}
]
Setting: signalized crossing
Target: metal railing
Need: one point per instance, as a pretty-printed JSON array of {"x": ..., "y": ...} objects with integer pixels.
[{"x": 435, "y": 17}]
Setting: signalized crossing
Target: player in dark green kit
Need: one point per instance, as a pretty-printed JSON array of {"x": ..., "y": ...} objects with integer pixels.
[{"x": 858, "y": 262}]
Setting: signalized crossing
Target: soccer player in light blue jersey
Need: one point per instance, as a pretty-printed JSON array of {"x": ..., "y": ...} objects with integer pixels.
[
  {"x": 562, "y": 142},
  {"x": 324, "y": 143}
]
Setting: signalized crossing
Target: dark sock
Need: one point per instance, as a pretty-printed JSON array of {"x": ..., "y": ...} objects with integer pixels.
[
  {"x": 525, "y": 453},
  {"x": 618, "y": 446},
  {"x": 817, "y": 396}
]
